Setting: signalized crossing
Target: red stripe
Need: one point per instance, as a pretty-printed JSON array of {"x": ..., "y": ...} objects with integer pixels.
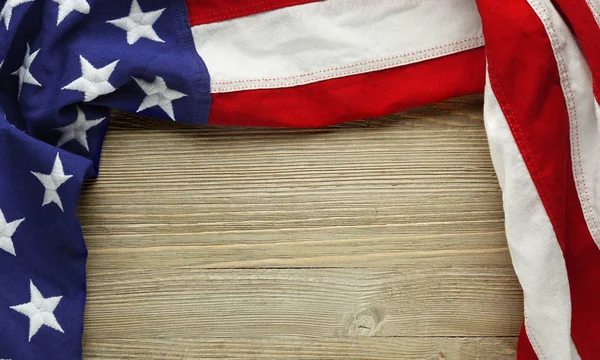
[
  {"x": 208, "y": 11},
  {"x": 587, "y": 30},
  {"x": 524, "y": 76},
  {"x": 372, "y": 94}
]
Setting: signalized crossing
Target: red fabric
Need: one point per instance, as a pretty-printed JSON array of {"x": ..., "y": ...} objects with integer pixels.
[
  {"x": 208, "y": 11},
  {"x": 587, "y": 31},
  {"x": 524, "y": 76},
  {"x": 524, "y": 349},
  {"x": 372, "y": 94}
]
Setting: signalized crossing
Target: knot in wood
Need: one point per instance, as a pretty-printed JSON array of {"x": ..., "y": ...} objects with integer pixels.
[{"x": 364, "y": 323}]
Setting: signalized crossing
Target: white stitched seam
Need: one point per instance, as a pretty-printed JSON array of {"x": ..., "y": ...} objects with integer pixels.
[
  {"x": 595, "y": 10},
  {"x": 326, "y": 74},
  {"x": 532, "y": 339}
]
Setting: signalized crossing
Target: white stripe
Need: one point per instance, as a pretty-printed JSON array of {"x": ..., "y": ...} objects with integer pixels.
[
  {"x": 329, "y": 39},
  {"x": 594, "y": 5},
  {"x": 536, "y": 255},
  {"x": 584, "y": 116}
]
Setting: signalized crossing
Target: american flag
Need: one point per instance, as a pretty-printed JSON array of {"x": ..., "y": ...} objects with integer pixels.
[{"x": 300, "y": 63}]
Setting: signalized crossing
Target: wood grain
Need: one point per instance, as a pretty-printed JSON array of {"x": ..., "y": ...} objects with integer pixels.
[
  {"x": 363, "y": 240},
  {"x": 413, "y": 348},
  {"x": 312, "y": 302}
]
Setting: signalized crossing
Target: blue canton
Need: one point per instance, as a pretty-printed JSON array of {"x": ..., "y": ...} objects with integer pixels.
[{"x": 63, "y": 65}]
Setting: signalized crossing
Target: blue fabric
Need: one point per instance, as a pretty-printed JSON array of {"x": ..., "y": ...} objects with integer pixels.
[{"x": 49, "y": 252}]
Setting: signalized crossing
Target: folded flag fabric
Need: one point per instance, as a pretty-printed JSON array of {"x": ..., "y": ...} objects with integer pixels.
[{"x": 299, "y": 63}]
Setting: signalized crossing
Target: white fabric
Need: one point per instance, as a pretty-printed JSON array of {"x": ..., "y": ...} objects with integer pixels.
[
  {"x": 40, "y": 311},
  {"x": 323, "y": 40},
  {"x": 535, "y": 252},
  {"x": 65, "y": 7},
  {"x": 7, "y": 230},
  {"x": 158, "y": 94},
  {"x": 93, "y": 81},
  {"x": 24, "y": 72},
  {"x": 138, "y": 24},
  {"x": 77, "y": 130},
  {"x": 51, "y": 182},
  {"x": 584, "y": 117}
]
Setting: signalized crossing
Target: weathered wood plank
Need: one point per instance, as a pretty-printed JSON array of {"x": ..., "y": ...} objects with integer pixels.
[
  {"x": 412, "y": 348},
  {"x": 311, "y": 302},
  {"x": 338, "y": 248}
]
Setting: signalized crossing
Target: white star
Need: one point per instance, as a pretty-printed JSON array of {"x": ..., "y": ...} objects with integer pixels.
[
  {"x": 52, "y": 182},
  {"x": 138, "y": 24},
  {"x": 7, "y": 10},
  {"x": 24, "y": 72},
  {"x": 39, "y": 310},
  {"x": 65, "y": 7},
  {"x": 158, "y": 94},
  {"x": 78, "y": 130},
  {"x": 93, "y": 82},
  {"x": 6, "y": 232}
]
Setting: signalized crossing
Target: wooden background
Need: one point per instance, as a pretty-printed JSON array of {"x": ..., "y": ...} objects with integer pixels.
[{"x": 376, "y": 239}]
